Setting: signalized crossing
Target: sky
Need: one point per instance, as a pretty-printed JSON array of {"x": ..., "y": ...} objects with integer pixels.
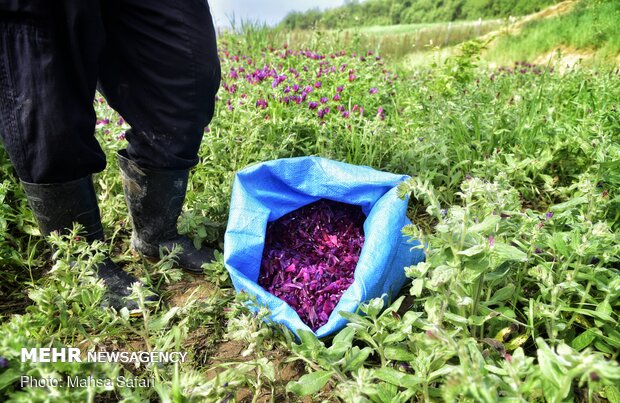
[{"x": 268, "y": 11}]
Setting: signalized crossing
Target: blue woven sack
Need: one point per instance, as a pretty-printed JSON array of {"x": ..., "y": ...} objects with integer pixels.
[{"x": 265, "y": 192}]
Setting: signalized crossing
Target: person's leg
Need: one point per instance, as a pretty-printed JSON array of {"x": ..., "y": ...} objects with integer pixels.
[
  {"x": 48, "y": 71},
  {"x": 162, "y": 74}
]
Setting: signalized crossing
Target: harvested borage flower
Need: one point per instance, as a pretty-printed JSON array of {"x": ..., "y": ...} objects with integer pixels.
[{"x": 310, "y": 256}]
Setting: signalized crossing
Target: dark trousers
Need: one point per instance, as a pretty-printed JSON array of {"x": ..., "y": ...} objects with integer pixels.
[{"x": 154, "y": 60}]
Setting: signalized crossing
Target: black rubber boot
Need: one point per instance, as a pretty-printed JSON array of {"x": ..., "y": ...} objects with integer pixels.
[
  {"x": 155, "y": 199},
  {"x": 57, "y": 206}
]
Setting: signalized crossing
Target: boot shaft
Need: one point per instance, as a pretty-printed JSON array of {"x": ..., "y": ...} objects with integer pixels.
[
  {"x": 56, "y": 206},
  {"x": 154, "y": 199}
]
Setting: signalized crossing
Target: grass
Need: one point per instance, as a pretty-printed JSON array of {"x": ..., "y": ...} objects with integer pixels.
[
  {"x": 590, "y": 28},
  {"x": 396, "y": 41},
  {"x": 515, "y": 189}
]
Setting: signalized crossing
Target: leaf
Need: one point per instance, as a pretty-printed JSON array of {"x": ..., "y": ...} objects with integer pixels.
[
  {"x": 345, "y": 336},
  {"x": 569, "y": 204},
  {"x": 309, "y": 383},
  {"x": 503, "y": 294},
  {"x": 8, "y": 377},
  {"x": 474, "y": 250},
  {"x": 456, "y": 319},
  {"x": 395, "y": 337},
  {"x": 605, "y": 309},
  {"x": 479, "y": 320},
  {"x": 518, "y": 341},
  {"x": 357, "y": 358},
  {"x": 504, "y": 252},
  {"x": 417, "y": 287},
  {"x": 309, "y": 340},
  {"x": 399, "y": 353},
  {"x": 583, "y": 340},
  {"x": 487, "y": 224},
  {"x": 342, "y": 342},
  {"x": 612, "y": 393},
  {"x": 390, "y": 375}
]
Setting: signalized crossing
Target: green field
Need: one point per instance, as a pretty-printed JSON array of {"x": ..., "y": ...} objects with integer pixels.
[{"x": 515, "y": 190}]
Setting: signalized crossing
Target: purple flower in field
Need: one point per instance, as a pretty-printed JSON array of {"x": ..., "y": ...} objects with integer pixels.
[
  {"x": 106, "y": 132},
  {"x": 373, "y": 90},
  {"x": 381, "y": 113},
  {"x": 492, "y": 241},
  {"x": 121, "y": 136},
  {"x": 324, "y": 100},
  {"x": 233, "y": 74},
  {"x": 4, "y": 363},
  {"x": 340, "y": 108},
  {"x": 318, "y": 84},
  {"x": 337, "y": 97},
  {"x": 120, "y": 122},
  {"x": 295, "y": 88},
  {"x": 308, "y": 89},
  {"x": 287, "y": 89},
  {"x": 322, "y": 112},
  {"x": 538, "y": 251},
  {"x": 231, "y": 108},
  {"x": 261, "y": 103},
  {"x": 352, "y": 77},
  {"x": 340, "y": 89},
  {"x": 549, "y": 215},
  {"x": 313, "y": 105},
  {"x": 286, "y": 100},
  {"x": 345, "y": 114}
]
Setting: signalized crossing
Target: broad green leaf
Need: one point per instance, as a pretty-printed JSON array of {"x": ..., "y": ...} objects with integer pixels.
[
  {"x": 309, "y": 383},
  {"x": 504, "y": 252},
  {"x": 479, "y": 320},
  {"x": 487, "y": 224},
  {"x": 399, "y": 353},
  {"x": 417, "y": 286},
  {"x": 356, "y": 320},
  {"x": 569, "y": 204},
  {"x": 341, "y": 343},
  {"x": 474, "y": 250},
  {"x": 345, "y": 336},
  {"x": 442, "y": 275},
  {"x": 8, "y": 377},
  {"x": 454, "y": 318},
  {"x": 397, "y": 378},
  {"x": 395, "y": 337},
  {"x": 503, "y": 294},
  {"x": 518, "y": 341},
  {"x": 602, "y": 314},
  {"x": 356, "y": 358},
  {"x": 309, "y": 340},
  {"x": 373, "y": 307},
  {"x": 612, "y": 393},
  {"x": 605, "y": 309},
  {"x": 583, "y": 340}
]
